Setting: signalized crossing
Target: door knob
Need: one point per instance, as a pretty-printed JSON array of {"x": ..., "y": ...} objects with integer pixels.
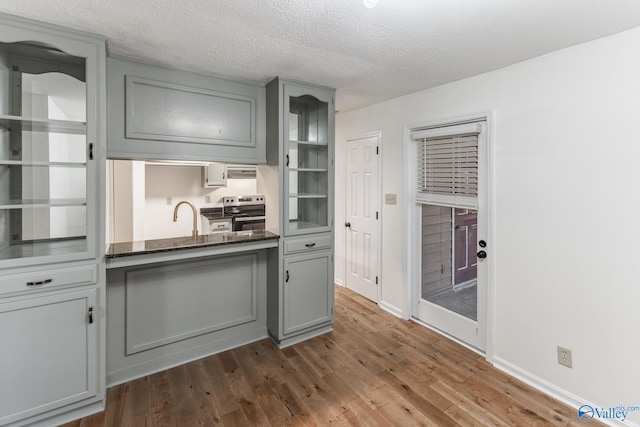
[
  {"x": 482, "y": 244},
  {"x": 347, "y": 224},
  {"x": 482, "y": 254}
]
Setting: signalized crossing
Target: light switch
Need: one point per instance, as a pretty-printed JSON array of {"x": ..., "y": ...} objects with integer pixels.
[
  {"x": 169, "y": 201},
  {"x": 390, "y": 199}
]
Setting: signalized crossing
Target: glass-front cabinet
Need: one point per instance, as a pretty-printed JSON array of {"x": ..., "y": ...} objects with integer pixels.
[
  {"x": 52, "y": 145},
  {"x": 300, "y": 148},
  {"x": 45, "y": 158},
  {"x": 308, "y": 181}
]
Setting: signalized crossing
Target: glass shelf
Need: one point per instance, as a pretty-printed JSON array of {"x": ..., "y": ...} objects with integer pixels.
[
  {"x": 40, "y": 203},
  {"x": 308, "y": 143},
  {"x": 42, "y": 164},
  {"x": 17, "y": 123},
  {"x": 296, "y": 225},
  {"x": 307, "y": 170},
  {"x": 44, "y": 248},
  {"x": 308, "y": 196}
]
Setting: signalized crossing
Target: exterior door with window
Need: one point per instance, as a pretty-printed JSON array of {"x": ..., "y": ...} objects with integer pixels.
[{"x": 450, "y": 274}]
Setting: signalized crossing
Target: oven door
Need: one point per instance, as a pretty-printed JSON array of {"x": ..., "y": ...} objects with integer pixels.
[{"x": 248, "y": 223}]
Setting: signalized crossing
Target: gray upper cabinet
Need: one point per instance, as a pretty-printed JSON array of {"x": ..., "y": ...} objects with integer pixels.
[
  {"x": 157, "y": 113},
  {"x": 51, "y": 142},
  {"x": 303, "y": 148}
]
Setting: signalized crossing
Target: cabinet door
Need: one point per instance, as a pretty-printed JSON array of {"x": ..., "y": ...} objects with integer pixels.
[
  {"x": 308, "y": 292},
  {"x": 214, "y": 175},
  {"x": 49, "y": 138},
  {"x": 49, "y": 353},
  {"x": 308, "y": 159},
  {"x": 159, "y": 113}
]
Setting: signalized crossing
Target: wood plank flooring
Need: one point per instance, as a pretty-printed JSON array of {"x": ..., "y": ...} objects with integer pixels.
[{"x": 372, "y": 370}]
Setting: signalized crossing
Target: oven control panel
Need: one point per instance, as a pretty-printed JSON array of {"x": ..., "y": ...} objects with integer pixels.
[{"x": 243, "y": 200}]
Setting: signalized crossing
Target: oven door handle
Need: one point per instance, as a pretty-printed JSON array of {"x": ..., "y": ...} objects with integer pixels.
[{"x": 247, "y": 219}]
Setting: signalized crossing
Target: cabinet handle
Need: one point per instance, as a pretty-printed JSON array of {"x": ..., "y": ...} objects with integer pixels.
[
  {"x": 287, "y": 160},
  {"x": 286, "y": 280},
  {"x": 90, "y": 315},
  {"x": 91, "y": 151},
  {"x": 310, "y": 245},
  {"x": 40, "y": 283}
]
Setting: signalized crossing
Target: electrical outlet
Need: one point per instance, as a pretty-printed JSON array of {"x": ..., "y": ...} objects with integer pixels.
[
  {"x": 564, "y": 357},
  {"x": 169, "y": 201},
  {"x": 207, "y": 199}
]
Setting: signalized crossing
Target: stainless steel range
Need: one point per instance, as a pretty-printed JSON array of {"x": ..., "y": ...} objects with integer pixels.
[{"x": 246, "y": 212}]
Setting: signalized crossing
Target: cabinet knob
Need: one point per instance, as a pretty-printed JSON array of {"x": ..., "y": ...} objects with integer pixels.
[
  {"x": 347, "y": 224},
  {"x": 286, "y": 280}
]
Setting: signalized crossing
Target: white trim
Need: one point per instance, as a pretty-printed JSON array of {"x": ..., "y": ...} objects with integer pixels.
[
  {"x": 338, "y": 282},
  {"x": 446, "y": 130},
  {"x": 372, "y": 134},
  {"x": 491, "y": 233},
  {"x": 446, "y": 335},
  {"x": 550, "y": 389},
  {"x": 411, "y": 218},
  {"x": 392, "y": 310}
]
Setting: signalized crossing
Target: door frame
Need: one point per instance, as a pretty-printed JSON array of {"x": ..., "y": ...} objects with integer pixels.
[
  {"x": 412, "y": 220},
  {"x": 374, "y": 134}
]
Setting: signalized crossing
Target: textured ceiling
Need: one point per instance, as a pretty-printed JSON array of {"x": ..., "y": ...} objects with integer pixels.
[{"x": 369, "y": 55}]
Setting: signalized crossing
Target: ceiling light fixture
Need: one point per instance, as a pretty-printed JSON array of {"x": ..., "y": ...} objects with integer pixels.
[{"x": 370, "y": 4}]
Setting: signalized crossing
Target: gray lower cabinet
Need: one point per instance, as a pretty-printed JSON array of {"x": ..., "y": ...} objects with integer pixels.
[
  {"x": 164, "y": 314},
  {"x": 158, "y": 113},
  {"x": 300, "y": 289},
  {"x": 49, "y": 353},
  {"x": 307, "y": 300}
]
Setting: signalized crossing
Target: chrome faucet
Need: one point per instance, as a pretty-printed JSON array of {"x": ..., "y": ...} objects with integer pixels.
[{"x": 194, "y": 233}]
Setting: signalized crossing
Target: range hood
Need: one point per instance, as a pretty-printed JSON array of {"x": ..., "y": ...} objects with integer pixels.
[{"x": 240, "y": 171}]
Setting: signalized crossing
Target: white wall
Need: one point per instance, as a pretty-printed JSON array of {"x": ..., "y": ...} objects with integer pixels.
[
  {"x": 566, "y": 195},
  {"x": 140, "y": 199},
  {"x": 182, "y": 183}
]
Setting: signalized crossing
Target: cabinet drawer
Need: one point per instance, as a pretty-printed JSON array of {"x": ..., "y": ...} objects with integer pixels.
[
  {"x": 48, "y": 279},
  {"x": 309, "y": 243}
]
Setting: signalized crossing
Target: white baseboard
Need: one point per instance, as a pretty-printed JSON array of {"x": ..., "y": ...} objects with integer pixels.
[
  {"x": 339, "y": 282},
  {"x": 554, "y": 391},
  {"x": 391, "y": 309}
]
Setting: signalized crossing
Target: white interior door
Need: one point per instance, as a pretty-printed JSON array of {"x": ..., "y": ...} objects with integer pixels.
[
  {"x": 450, "y": 270},
  {"x": 361, "y": 218}
]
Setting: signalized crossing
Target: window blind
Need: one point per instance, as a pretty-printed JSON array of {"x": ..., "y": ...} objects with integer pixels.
[{"x": 447, "y": 169}]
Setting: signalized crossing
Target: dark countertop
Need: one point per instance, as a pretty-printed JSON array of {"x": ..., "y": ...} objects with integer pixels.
[{"x": 178, "y": 243}]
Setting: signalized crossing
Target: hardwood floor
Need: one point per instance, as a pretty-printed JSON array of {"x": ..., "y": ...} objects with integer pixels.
[{"x": 372, "y": 370}]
